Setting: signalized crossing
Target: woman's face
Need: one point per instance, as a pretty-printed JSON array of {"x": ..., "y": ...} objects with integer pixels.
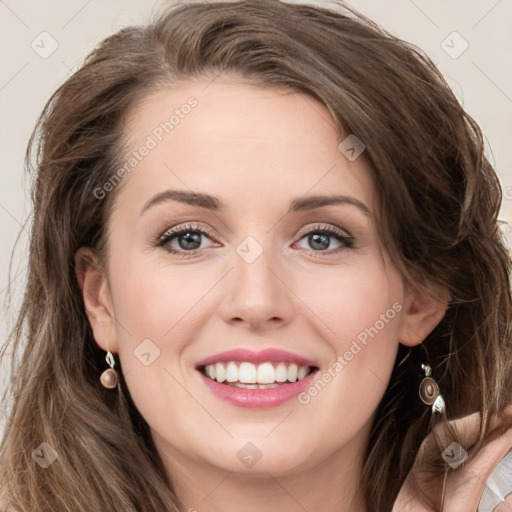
[{"x": 290, "y": 284}]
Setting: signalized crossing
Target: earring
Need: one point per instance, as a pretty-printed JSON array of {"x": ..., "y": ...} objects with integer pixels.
[
  {"x": 429, "y": 391},
  {"x": 109, "y": 377}
]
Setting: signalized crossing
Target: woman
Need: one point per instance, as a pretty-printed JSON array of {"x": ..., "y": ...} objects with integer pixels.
[{"x": 265, "y": 274}]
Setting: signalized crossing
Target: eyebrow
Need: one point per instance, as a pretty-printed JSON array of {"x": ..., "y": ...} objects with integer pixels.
[{"x": 215, "y": 204}]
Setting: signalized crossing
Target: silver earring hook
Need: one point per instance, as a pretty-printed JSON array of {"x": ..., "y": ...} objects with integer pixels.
[{"x": 109, "y": 357}]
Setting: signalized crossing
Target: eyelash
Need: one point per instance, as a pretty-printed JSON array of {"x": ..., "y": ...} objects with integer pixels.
[{"x": 165, "y": 238}]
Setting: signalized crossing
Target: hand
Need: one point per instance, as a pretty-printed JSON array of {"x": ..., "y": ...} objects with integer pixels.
[{"x": 464, "y": 484}]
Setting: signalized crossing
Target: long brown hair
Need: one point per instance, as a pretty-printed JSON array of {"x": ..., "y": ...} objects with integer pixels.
[{"x": 439, "y": 199}]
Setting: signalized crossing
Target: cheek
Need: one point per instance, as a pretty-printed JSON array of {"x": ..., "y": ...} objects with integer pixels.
[
  {"x": 359, "y": 309},
  {"x": 355, "y": 302},
  {"x": 160, "y": 310},
  {"x": 151, "y": 299},
  {"x": 154, "y": 311}
]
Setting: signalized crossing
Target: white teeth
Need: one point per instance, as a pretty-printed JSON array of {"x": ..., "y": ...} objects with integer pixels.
[
  {"x": 247, "y": 386},
  {"x": 302, "y": 372},
  {"x": 266, "y": 374},
  {"x": 220, "y": 372},
  {"x": 252, "y": 376},
  {"x": 247, "y": 373},
  {"x": 281, "y": 373},
  {"x": 292, "y": 372},
  {"x": 231, "y": 372},
  {"x": 253, "y": 386}
]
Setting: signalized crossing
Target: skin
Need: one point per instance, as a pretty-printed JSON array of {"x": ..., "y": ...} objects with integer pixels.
[
  {"x": 464, "y": 484},
  {"x": 256, "y": 149}
]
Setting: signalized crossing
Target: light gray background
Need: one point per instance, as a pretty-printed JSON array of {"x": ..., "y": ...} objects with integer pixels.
[{"x": 480, "y": 76}]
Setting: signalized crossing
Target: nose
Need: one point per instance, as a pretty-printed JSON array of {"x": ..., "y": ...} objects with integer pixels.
[{"x": 258, "y": 291}]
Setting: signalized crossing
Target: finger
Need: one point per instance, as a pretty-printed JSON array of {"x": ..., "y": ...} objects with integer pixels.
[
  {"x": 506, "y": 506},
  {"x": 465, "y": 485}
]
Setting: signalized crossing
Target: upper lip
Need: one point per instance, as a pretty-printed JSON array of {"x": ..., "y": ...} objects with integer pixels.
[{"x": 269, "y": 354}]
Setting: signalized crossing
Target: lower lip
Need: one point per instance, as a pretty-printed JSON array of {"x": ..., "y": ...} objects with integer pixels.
[{"x": 258, "y": 398}]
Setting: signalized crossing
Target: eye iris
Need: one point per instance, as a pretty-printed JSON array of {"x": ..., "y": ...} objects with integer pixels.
[
  {"x": 190, "y": 238},
  {"x": 319, "y": 238}
]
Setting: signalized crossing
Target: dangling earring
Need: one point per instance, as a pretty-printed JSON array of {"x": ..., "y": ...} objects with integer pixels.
[
  {"x": 109, "y": 377},
  {"x": 429, "y": 391}
]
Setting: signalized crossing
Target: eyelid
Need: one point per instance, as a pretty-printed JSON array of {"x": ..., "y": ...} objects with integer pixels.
[
  {"x": 185, "y": 227},
  {"x": 342, "y": 236},
  {"x": 324, "y": 227},
  {"x": 305, "y": 231}
]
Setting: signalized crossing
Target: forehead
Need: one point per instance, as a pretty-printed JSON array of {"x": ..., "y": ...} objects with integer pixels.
[{"x": 256, "y": 146}]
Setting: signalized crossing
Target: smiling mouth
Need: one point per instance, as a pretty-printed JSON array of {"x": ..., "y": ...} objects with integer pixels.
[{"x": 247, "y": 375}]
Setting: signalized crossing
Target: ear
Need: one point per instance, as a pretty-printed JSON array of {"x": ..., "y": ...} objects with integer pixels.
[
  {"x": 96, "y": 297},
  {"x": 423, "y": 310}
]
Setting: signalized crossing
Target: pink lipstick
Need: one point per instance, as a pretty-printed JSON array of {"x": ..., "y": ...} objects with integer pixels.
[{"x": 256, "y": 380}]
